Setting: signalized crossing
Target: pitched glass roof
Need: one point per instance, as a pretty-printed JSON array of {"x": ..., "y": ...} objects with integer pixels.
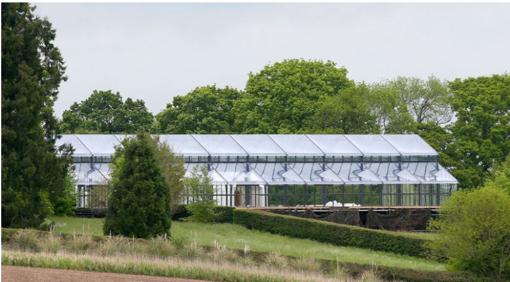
[
  {"x": 297, "y": 145},
  {"x": 79, "y": 147},
  {"x": 220, "y": 145},
  {"x": 334, "y": 144},
  {"x": 99, "y": 144},
  {"x": 184, "y": 145},
  {"x": 258, "y": 145},
  {"x": 266, "y": 145},
  {"x": 410, "y": 145},
  {"x": 298, "y": 172},
  {"x": 373, "y": 145}
]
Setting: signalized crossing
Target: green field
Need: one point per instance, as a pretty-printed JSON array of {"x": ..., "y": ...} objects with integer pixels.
[{"x": 238, "y": 237}]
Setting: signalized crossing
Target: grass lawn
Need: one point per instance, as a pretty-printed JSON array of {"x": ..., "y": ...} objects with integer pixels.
[{"x": 238, "y": 237}]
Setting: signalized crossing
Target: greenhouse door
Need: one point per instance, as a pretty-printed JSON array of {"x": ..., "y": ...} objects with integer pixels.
[{"x": 246, "y": 196}]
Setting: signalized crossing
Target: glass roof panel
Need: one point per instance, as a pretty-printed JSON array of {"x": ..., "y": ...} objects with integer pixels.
[
  {"x": 220, "y": 145},
  {"x": 90, "y": 174},
  {"x": 334, "y": 144},
  {"x": 258, "y": 145},
  {"x": 373, "y": 145},
  {"x": 275, "y": 174},
  {"x": 297, "y": 145},
  {"x": 386, "y": 171},
  {"x": 79, "y": 148},
  {"x": 313, "y": 173},
  {"x": 99, "y": 144},
  {"x": 410, "y": 145},
  {"x": 443, "y": 176},
  {"x": 184, "y": 145},
  {"x": 237, "y": 174},
  {"x": 346, "y": 171}
]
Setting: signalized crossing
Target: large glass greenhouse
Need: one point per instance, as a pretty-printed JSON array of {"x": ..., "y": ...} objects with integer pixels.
[{"x": 287, "y": 170}]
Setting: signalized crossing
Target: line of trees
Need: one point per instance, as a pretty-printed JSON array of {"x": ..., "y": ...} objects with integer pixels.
[{"x": 466, "y": 120}]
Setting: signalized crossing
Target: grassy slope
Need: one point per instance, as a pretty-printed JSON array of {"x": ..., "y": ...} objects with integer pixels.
[{"x": 238, "y": 237}]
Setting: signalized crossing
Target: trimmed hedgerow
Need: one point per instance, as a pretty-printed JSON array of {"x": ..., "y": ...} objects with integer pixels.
[
  {"x": 333, "y": 233},
  {"x": 223, "y": 214}
]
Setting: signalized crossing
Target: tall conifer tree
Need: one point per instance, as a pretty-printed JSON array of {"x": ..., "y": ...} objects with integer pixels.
[
  {"x": 33, "y": 176},
  {"x": 139, "y": 204}
]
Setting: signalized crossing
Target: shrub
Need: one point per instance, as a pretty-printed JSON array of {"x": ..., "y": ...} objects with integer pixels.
[
  {"x": 474, "y": 232},
  {"x": 223, "y": 214},
  {"x": 336, "y": 234},
  {"x": 139, "y": 204},
  {"x": 209, "y": 213},
  {"x": 180, "y": 212},
  {"x": 201, "y": 212}
]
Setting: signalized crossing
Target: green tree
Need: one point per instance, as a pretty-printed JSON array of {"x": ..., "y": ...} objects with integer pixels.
[
  {"x": 206, "y": 109},
  {"x": 106, "y": 112},
  {"x": 139, "y": 204},
  {"x": 33, "y": 169},
  {"x": 172, "y": 168},
  {"x": 441, "y": 139},
  {"x": 283, "y": 95},
  {"x": 501, "y": 176},
  {"x": 474, "y": 232},
  {"x": 482, "y": 126},
  {"x": 392, "y": 113},
  {"x": 427, "y": 100},
  {"x": 346, "y": 113},
  {"x": 200, "y": 193}
]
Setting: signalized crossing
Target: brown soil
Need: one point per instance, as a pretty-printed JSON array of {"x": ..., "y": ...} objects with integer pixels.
[{"x": 29, "y": 274}]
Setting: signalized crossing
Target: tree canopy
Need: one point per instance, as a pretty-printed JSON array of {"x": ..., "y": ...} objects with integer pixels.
[
  {"x": 106, "y": 112},
  {"x": 482, "y": 127},
  {"x": 33, "y": 176},
  {"x": 283, "y": 95},
  {"x": 349, "y": 112},
  {"x": 206, "y": 109}
]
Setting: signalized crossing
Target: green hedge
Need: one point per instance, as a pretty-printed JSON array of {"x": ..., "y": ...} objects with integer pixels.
[
  {"x": 220, "y": 214},
  {"x": 327, "y": 232},
  {"x": 223, "y": 214}
]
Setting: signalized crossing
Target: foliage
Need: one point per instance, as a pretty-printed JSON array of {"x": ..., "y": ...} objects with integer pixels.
[
  {"x": 105, "y": 112},
  {"x": 348, "y": 113},
  {"x": 200, "y": 193},
  {"x": 392, "y": 113},
  {"x": 201, "y": 212},
  {"x": 427, "y": 101},
  {"x": 139, "y": 204},
  {"x": 221, "y": 214},
  {"x": 172, "y": 168},
  {"x": 501, "y": 177},
  {"x": 204, "y": 110},
  {"x": 474, "y": 230},
  {"x": 441, "y": 139},
  {"x": 482, "y": 127},
  {"x": 33, "y": 176},
  {"x": 283, "y": 95},
  {"x": 66, "y": 202},
  {"x": 327, "y": 232}
]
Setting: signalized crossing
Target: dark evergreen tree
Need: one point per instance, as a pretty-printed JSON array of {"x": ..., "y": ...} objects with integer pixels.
[
  {"x": 139, "y": 204},
  {"x": 33, "y": 175}
]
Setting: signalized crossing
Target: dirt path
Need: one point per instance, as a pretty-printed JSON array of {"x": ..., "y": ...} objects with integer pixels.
[{"x": 29, "y": 274}]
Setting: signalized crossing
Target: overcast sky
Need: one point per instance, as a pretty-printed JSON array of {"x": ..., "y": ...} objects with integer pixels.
[{"x": 157, "y": 51}]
